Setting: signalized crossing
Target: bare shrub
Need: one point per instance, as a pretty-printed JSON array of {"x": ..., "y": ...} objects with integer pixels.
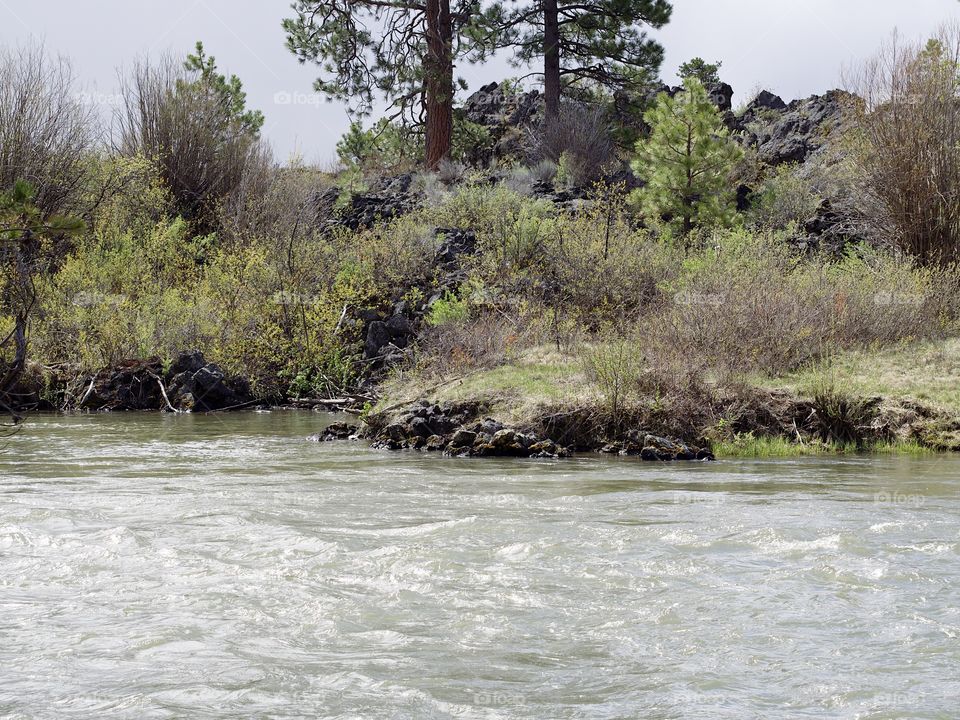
[
  {"x": 580, "y": 136},
  {"x": 46, "y": 129},
  {"x": 519, "y": 180},
  {"x": 202, "y": 153},
  {"x": 274, "y": 204},
  {"x": 544, "y": 171},
  {"x": 749, "y": 306},
  {"x": 451, "y": 171},
  {"x": 910, "y": 121},
  {"x": 595, "y": 268},
  {"x": 785, "y": 197},
  {"x": 485, "y": 340},
  {"x": 615, "y": 368}
]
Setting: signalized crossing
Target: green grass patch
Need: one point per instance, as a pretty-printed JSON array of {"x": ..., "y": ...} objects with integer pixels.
[
  {"x": 751, "y": 446},
  {"x": 929, "y": 372}
]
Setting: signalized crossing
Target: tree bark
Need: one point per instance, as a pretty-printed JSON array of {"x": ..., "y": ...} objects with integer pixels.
[
  {"x": 438, "y": 80},
  {"x": 551, "y": 58}
]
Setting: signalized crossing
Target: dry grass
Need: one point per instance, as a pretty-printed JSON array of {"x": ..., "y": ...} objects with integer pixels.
[
  {"x": 929, "y": 372},
  {"x": 538, "y": 377}
]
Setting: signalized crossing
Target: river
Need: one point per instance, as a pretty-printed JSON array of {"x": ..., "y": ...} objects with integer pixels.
[{"x": 159, "y": 566}]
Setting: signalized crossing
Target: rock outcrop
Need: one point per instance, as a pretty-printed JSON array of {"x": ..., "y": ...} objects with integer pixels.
[
  {"x": 792, "y": 133},
  {"x": 128, "y": 385},
  {"x": 195, "y": 384},
  {"x": 390, "y": 198},
  {"x": 505, "y": 114},
  {"x": 190, "y": 384},
  {"x": 462, "y": 430}
]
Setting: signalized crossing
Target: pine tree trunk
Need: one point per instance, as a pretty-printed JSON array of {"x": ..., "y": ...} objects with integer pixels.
[
  {"x": 438, "y": 71},
  {"x": 551, "y": 59}
]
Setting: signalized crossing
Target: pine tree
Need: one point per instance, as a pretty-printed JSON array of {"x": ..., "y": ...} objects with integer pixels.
[
  {"x": 706, "y": 73},
  {"x": 687, "y": 161},
  {"x": 401, "y": 50},
  {"x": 227, "y": 93},
  {"x": 602, "y": 41}
]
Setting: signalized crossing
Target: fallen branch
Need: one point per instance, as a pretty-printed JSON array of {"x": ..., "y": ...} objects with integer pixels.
[
  {"x": 163, "y": 391},
  {"x": 83, "y": 400},
  {"x": 343, "y": 316},
  {"x": 232, "y": 407}
]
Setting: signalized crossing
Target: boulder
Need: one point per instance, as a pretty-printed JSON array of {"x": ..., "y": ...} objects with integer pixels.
[
  {"x": 128, "y": 385},
  {"x": 435, "y": 443},
  {"x": 336, "y": 431},
  {"x": 194, "y": 384},
  {"x": 766, "y": 100},
  {"x": 721, "y": 95},
  {"x": 463, "y": 438},
  {"x": 386, "y": 340},
  {"x": 793, "y": 133}
]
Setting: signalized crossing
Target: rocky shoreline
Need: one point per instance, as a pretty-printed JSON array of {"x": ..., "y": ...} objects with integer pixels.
[
  {"x": 470, "y": 428},
  {"x": 188, "y": 384},
  {"x": 463, "y": 430}
]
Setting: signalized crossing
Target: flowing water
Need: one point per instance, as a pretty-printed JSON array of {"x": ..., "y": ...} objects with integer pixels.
[{"x": 155, "y": 566}]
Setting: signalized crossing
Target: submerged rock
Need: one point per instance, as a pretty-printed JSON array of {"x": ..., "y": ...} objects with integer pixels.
[{"x": 336, "y": 431}]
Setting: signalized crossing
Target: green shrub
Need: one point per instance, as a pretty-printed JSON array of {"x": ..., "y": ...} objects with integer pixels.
[
  {"x": 448, "y": 310},
  {"x": 785, "y": 198}
]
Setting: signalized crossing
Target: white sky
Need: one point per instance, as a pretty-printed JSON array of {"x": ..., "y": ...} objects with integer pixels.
[{"x": 792, "y": 47}]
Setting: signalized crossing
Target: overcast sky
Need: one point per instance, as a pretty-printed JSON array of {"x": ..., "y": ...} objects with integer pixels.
[{"x": 792, "y": 47}]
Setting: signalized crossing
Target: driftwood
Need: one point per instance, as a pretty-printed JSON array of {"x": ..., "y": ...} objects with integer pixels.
[
  {"x": 83, "y": 400},
  {"x": 163, "y": 391}
]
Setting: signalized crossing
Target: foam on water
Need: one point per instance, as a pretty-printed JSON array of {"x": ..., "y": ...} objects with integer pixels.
[{"x": 164, "y": 567}]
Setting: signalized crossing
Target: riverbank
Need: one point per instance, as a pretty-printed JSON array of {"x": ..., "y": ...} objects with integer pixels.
[
  {"x": 893, "y": 401},
  {"x": 548, "y": 403}
]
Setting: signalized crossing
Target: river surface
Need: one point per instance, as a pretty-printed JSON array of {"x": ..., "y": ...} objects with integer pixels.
[{"x": 154, "y": 566}]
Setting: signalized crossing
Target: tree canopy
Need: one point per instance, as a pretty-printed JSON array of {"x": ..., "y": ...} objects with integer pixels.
[
  {"x": 706, "y": 73},
  {"x": 401, "y": 51},
  {"x": 602, "y": 41}
]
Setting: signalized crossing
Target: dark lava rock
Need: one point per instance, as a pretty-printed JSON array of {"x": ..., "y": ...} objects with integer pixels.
[
  {"x": 386, "y": 340},
  {"x": 195, "y": 384},
  {"x": 191, "y": 383},
  {"x": 766, "y": 100},
  {"x": 129, "y": 385},
  {"x": 720, "y": 95},
  {"x": 454, "y": 428},
  {"x": 336, "y": 431},
  {"x": 456, "y": 243},
  {"x": 435, "y": 443},
  {"x": 463, "y": 438},
  {"x": 791, "y": 133}
]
